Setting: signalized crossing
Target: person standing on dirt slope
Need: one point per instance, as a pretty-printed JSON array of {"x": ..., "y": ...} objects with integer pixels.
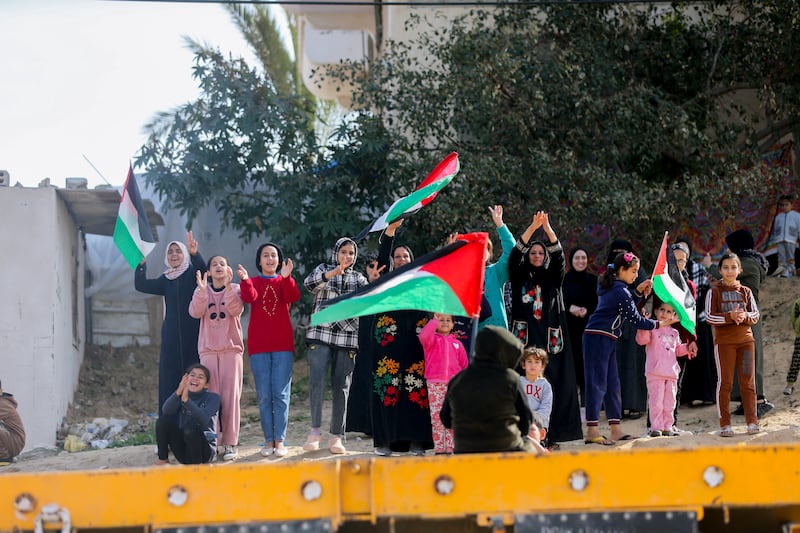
[{"x": 179, "y": 330}]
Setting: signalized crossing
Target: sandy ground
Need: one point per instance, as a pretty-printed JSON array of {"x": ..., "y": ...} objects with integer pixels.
[{"x": 121, "y": 383}]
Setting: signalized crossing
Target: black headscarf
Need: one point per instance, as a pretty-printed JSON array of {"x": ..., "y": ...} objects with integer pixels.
[{"x": 742, "y": 243}]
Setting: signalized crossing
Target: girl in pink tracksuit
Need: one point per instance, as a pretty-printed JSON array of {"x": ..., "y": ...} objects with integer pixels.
[
  {"x": 663, "y": 347},
  {"x": 444, "y": 358},
  {"x": 220, "y": 344}
]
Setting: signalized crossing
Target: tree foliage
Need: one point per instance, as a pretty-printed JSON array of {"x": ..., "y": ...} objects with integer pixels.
[
  {"x": 253, "y": 155},
  {"x": 630, "y": 117}
]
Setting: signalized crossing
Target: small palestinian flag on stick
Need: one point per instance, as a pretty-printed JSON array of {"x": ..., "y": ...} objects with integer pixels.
[
  {"x": 422, "y": 196},
  {"x": 449, "y": 280},
  {"x": 670, "y": 286},
  {"x": 132, "y": 233}
]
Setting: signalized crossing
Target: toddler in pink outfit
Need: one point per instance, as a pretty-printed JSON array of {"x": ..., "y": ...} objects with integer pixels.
[
  {"x": 663, "y": 347},
  {"x": 444, "y": 358}
]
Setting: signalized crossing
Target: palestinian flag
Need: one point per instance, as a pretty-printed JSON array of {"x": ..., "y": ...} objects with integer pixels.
[
  {"x": 670, "y": 286},
  {"x": 132, "y": 233},
  {"x": 448, "y": 280},
  {"x": 422, "y": 196}
]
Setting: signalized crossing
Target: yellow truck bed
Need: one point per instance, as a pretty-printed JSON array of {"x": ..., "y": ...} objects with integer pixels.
[{"x": 747, "y": 488}]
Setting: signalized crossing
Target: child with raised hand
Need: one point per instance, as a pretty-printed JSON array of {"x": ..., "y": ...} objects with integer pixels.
[
  {"x": 191, "y": 435},
  {"x": 270, "y": 340},
  {"x": 334, "y": 344},
  {"x": 731, "y": 309},
  {"x": 444, "y": 358},
  {"x": 663, "y": 347},
  {"x": 536, "y": 386},
  {"x": 615, "y": 306},
  {"x": 220, "y": 344}
]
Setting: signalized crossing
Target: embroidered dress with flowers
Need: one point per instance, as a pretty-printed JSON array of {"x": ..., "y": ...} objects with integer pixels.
[
  {"x": 538, "y": 318},
  {"x": 400, "y": 411}
]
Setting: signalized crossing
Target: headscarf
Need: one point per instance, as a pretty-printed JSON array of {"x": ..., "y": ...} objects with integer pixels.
[
  {"x": 572, "y": 253},
  {"x": 527, "y": 260},
  {"x": 173, "y": 273},
  {"x": 277, "y": 249},
  {"x": 339, "y": 243},
  {"x": 617, "y": 246},
  {"x": 497, "y": 344},
  {"x": 741, "y": 243},
  {"x": 408, "y": 249}
]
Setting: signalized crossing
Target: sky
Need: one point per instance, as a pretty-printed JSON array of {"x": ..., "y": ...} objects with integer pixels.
[{"x": 81, "y": 78}]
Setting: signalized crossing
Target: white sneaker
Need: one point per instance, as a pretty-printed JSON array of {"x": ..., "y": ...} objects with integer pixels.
[
  {"x": 788, "y": 390},
  {"x": 681, "y": 432},
  {"x": 281, "y": 450},
  {"x": 383, "y": 451},
  {"x": 312, "y": 443},
  {"x": 335, "y": 446},
  {"x": 779, "y": 270},
  {"x": 229, "y": 452},
  {"x": 267, "y": 450}
]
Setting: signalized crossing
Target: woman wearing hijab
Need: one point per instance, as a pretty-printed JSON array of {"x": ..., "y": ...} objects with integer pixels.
[
  {"x": 580, "y": 301},
  {"x": 393, "y": 357},
  {"x": 179, "y": 330},
  {"x": 536, "y": 272}
]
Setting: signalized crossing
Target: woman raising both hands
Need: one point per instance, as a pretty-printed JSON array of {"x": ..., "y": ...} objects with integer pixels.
[
  {"x": 536, "y": 270},
  {"x": 270, "y": 340}
]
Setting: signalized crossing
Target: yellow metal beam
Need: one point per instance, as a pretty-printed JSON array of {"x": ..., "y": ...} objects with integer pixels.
[{"x": 434, "y": 487}]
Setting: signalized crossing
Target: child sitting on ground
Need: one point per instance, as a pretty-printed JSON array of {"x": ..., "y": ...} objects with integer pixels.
[
  {"x": 536, "y": 387},
  {"x": 444, "y": 358},
  {"x": 500, "y": 418},
  {"x": 663, "y": 347}
]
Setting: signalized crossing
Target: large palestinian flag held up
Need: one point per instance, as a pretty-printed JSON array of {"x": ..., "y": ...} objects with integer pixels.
[
  {"x": 422, "y": 195},
  {"x": 448, "y": 280},
  {"x": 132, "y": 233},
  {"x": 671, "y": 287}
]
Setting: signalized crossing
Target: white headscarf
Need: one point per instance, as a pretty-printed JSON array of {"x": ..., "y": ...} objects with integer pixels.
[{"x": 172, "y": 273}]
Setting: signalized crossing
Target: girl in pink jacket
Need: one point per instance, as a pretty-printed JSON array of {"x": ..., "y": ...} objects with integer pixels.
[
  {"x": 444, "y": 358},
  {"x": 220, "y": 344},
  {"x": 663, "y": 347}
]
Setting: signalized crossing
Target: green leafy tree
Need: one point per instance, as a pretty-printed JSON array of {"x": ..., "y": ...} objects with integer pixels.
[
  {"x": 634, "y": 118},
  {"x": 252, "y": 154}
]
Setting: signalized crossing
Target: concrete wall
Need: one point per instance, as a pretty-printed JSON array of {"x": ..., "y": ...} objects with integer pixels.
[{"x": 42, "y": 320}]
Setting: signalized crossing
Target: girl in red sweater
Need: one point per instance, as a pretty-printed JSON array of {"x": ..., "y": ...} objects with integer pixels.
[{"x": 270, "y": 340}]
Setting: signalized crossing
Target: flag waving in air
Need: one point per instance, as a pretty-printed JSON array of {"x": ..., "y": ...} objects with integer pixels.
[
  {"x": 448, "y": 280},
  {"x": 671, "y": 287},
  {"x": 132, "y": 233},
  {"x": 419, "y": 198}
]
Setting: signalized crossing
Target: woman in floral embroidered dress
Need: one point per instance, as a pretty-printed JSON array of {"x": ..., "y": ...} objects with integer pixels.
[
  {"x": 536, "y": 271},
  {"x": 401, "y": 419}
]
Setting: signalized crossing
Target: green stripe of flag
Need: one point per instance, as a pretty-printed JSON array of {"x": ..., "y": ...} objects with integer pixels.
[{"x": 412, "y": 293}]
